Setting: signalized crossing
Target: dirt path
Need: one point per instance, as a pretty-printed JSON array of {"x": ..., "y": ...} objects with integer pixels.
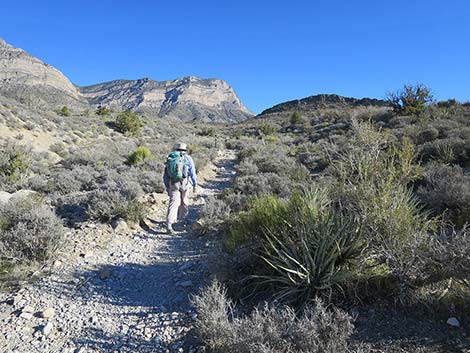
[{"x": 128, "y": 295}]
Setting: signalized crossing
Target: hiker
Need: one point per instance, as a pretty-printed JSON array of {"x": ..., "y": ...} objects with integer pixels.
[{"x": 179, "y": 176}]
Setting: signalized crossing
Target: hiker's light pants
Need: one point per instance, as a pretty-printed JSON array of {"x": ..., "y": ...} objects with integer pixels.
[{"x": 178, "y": 206}]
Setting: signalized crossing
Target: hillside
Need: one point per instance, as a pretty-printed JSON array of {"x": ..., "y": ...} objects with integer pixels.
[{"x": 323, "y": 101}]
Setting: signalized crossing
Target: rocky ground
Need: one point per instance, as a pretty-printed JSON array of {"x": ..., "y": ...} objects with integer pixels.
[{"x": 121, "y": 290}]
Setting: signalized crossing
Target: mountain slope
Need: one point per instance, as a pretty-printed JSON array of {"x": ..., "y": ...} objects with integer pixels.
[
  {"x": 41, "y": 87},
  {"x": 188, "y": 98},
  {"x": 29, "y": 80}
]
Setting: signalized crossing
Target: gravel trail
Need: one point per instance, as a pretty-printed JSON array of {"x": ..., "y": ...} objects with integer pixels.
[{"x": 122, "y": 291}]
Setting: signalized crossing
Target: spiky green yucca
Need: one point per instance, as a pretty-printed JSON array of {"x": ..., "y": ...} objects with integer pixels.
[
  {"x": 309, "y": 248},
  {"x": 306, "y": 244}
]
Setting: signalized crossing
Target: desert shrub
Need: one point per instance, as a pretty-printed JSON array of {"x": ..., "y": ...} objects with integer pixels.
[
  {"x": 64, "y": 111},
  {"x": 14, "y": 162},
  {"x": 269, "y": 329},
  {"x": 296, "y": 118},
  {"x": 100, "y": 154},
  {"x": 79, "y": 178},
  {"x": 373, "y": 178},
  {"x": 29, "y": 232},
  {"x": 448, "y": 103},
  {"x": 411, "y": 100},
  {"x": 116, "y": 199},
  {"x": 448, "y": 150},
  {"x": 218, "y": 209},
  {"x": 102, "y": 111},
  {"x": 129, "y": 123},
  {"x": 427, "y": 135},
  {"x": 267, "y": 129},
  {"x": 246, "y": 151},
  {"x": 151, "y": 180},
  {"x": 139, "y": 155},
  {"x": 207, "y": 131},
  {"x": 446, "y": 190},
  {"x": 247, "y": 167},
  {"x": 265, "y": 183},
  {"x": 448, "y": 255},
  {"x": 305, "y": 243},
  {"x": 59, "y": 149}
]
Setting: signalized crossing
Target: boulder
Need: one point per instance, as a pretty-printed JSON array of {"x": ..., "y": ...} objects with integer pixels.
[
  {"x": 120, "y": 226},
  {"x": 4, "y": 197}
]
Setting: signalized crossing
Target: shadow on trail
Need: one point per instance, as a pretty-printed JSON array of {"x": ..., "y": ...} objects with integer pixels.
[{"x": 379, "y": 327}]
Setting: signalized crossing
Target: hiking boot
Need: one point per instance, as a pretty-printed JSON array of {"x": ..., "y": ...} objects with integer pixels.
[{"x": 170, "y": 230}]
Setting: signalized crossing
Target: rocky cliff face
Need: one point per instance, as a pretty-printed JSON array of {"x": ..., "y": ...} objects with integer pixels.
[
  {"x": 188, "y": 98},
  {"x": 31, "y": 81}
]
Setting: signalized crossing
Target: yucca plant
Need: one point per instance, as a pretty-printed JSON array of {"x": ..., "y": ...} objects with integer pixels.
[{"x": 308, "y": 248}]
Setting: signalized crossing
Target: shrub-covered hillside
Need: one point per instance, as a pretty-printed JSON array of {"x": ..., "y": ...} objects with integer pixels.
[{"x": 362, "y": 207}]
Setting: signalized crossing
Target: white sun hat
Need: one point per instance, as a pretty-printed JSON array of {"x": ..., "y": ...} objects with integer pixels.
[{"x": 181, "y": 146}]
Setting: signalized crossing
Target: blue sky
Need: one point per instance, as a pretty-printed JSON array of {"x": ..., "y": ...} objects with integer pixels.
[{"x": 269, "y": 51}]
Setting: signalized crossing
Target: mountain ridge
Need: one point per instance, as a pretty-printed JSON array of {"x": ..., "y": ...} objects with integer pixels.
[
  {"x": 323, "y": 101},
  {"x": 41, "y": 86}
]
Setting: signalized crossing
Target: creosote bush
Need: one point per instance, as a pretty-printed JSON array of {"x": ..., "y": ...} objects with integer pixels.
[
  {"x": 64, "y": 111},
  {"x": 14, "y": 163},
  {"x": 269, "y": 329},
  {"x": 129, "y": 123},
  {"x": 29, "y": 232},
  {"x": 296, "y": 118}
]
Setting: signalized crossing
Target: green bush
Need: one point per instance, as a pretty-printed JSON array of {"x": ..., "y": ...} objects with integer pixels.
[
  {"x": 102, "y": 111},
  {"x": 64, "y": 111},
  {"x": 296, "y": 118},
  {"x": 139, "y": 155},
  {"x": 304, "y": 242},
  {"x": 410, "y": 100},
  {"x": 129, "y": 123},
  {"x": 207, "y": 131},
  {"x": 14, "y": 162},
  {"x": 267, "y": 129}
]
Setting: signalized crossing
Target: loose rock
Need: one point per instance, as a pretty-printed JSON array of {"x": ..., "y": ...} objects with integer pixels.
[
  {"x": 47, "y": 314},
  {"x": 46, "y": 330},
  {"x": 452, "y": 321}
]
